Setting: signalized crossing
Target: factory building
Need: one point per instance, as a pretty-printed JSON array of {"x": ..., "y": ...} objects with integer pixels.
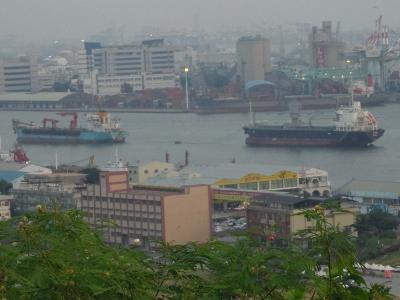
[
  {"x": 326, "y": 51},
  {"x": 19, "y": 74},
  {"x": 146, "y": 215},
  {"x": 253, "y": 58}
]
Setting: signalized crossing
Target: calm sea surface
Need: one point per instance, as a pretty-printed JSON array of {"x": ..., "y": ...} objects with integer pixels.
[{"x": 212, "y": 139}]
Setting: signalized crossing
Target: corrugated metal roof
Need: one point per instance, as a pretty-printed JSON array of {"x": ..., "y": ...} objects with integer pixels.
[
  {"x": 253, "y": 83},
  {"x": 10, "y": 176},
  {"x": 372, "y": 188},
  {"x": 6, "y": 197},
  {"x": 209, "y": 174},
  {"x": 33, "y": 97}
]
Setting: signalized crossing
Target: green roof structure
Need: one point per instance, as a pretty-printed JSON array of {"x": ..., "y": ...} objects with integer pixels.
[{"x": 33, "y": 97}]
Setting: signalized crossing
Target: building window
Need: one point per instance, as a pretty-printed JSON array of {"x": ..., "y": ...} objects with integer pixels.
[
  {"x": 290, "y": 182},
  {"x": 249, "y": 186},
  {"x": 264, "y": 185},
  {"x": 146, "y": 172},
  {"x": 277, "y": 184}
]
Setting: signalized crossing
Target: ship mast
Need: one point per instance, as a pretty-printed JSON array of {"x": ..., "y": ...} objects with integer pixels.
[{"x": 252, "y": 114}]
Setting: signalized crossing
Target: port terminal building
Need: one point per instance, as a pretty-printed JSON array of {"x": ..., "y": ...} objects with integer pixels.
[
  {"x": 32, "y": 101},
  {"x": 234, "y": 184},
  {"x": 370, "y": 194}
]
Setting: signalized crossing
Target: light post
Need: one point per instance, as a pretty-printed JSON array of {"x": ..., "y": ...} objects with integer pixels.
[{"x": 186, "y": 87}]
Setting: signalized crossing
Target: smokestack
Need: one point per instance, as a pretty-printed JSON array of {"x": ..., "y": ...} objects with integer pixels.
[
  {"x": 166, "y": 157},
  {"x": 186, "y": 158}
]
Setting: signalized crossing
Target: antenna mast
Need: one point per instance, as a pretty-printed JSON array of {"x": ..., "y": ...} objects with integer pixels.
[{"x": 252, "y": 114}]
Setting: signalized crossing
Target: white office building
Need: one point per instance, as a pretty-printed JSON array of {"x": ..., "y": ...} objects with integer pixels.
[
  {"x": 19, "y": 74},
  {"x": 149, "y": 65},
  {"x": 102, "y": 84}
]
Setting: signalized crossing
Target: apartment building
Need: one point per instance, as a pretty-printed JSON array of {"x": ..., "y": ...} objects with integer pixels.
[
  {"x": 19, "y": 74},
  {"x": 5, "y": 204},
  {"x": 147, "y": 215}
]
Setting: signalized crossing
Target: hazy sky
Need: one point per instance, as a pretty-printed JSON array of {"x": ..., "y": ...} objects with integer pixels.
[{"x": 51, "y": 19}]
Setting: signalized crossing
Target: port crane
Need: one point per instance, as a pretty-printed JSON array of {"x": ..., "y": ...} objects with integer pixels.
[{"x": 74, "y": 122}]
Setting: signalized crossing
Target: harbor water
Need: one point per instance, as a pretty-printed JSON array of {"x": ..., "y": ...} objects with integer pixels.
[{"x": 213, "y": 139}]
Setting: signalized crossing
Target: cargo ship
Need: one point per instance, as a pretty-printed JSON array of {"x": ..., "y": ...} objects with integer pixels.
[
  {"x": 101, "y": 129},
  {"x": 352, "y": 127}
]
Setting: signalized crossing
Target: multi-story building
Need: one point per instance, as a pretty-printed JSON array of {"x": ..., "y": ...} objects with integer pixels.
[
  {"x": 253, "y": 58},
  {"x": 149, "y": 65},
  {"x": 5, "y": 204},
  {"x": 19, "y": 74},
  {"x": 146, "y": 215},
  {"x": 139, "y": 173},
  {"x": 157, "y": 57},
  {"x": 152, "y": 57},
  {"x": 308, "y": 181},
  {"x": 103, "y": 84},
  {"x": 61, "y": 188},
  {"x": 278, "y": 215},
  {"x": 118, "y": 60},
  {"x": 234, "y": 185},
  {"x": 85, "y": 58}
]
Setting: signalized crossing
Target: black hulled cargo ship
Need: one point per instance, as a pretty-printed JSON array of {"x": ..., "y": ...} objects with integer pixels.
[{"x": 353, "y": 127}]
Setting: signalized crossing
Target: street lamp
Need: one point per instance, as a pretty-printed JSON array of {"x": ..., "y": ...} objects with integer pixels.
[{"x": 186, "y": 87}]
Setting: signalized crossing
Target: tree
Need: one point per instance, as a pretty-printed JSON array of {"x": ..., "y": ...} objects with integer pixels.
[
  {"x": 5, "y": 187},
  {"x": 217, "y": 78},
  {"x": 92, "y": 175},
  {"x": 55, "y": 255},
  {"x": 376, "y": 231},
  {"x": 335, "y": 249}
]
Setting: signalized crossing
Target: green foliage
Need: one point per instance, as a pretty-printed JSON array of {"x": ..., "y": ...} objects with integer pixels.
[
  {"x": 92, "y": 175},
  {"x": 216, "y": 77},
  {"x": 376, "y": 230},
  {"x": 50, "y": 255},
  {"x": 5, "y": 187},
  {"x": 55, "y": 255},
  {"x": 334, "y": 249},
  {"x": 251, "y": 270}
]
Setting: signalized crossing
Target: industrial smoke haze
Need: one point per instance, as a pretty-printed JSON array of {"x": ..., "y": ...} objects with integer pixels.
[{"x": 36, "y": 20}]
